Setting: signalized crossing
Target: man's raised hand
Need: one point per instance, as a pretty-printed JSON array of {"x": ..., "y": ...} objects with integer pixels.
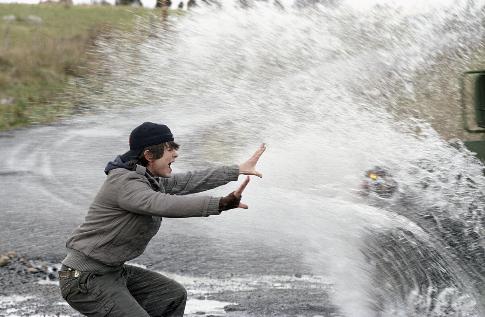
[
  {"x": 239, "y": 191},
  {"x": 233, "y": 200},
  {"x": 249, "y": 167}
]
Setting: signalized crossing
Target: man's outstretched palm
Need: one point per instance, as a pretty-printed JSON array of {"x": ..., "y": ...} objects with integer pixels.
[{"x": 249, "y": 167}]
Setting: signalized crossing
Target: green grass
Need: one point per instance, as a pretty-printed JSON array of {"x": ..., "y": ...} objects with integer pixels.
[{"x": 38, "y": 59}]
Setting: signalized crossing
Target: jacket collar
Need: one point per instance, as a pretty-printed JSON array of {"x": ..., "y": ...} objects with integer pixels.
[{"x": 154, "y": 181}]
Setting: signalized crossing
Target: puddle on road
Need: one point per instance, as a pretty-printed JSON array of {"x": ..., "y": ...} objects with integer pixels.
[
  {"x": 20, "y": 305},
  {"x": 204, "y": 307},
  {"x": 14, "y": 306},
  {"x": 6, "y": 301}
]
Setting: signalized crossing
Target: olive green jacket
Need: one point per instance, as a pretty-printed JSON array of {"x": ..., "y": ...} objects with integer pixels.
[{"x": 128, "y": 209}]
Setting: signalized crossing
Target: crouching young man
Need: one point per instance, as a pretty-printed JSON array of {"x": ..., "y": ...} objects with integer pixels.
[{"x": 126, "y": 213}]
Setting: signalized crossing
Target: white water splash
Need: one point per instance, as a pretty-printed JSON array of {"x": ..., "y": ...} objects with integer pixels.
[{"x": 324, "y": 87}]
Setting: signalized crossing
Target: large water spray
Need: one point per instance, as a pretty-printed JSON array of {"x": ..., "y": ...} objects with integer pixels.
[{"x": 332, "y": 90}]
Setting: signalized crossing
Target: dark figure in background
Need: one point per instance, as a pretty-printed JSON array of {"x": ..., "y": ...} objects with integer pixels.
[
  {"x": 378, "y": 181},
  {"x": 139, "y": 191}
]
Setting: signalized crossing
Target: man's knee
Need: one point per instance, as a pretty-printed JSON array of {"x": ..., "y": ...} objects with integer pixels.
[
  {"x": 180, "y": 292},
  {"x": 178, "y": 296},
  {"x": 169, "y": 300}
]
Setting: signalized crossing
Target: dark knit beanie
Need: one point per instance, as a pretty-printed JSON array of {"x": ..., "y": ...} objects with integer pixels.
[
  {"x": 149, "y": 133},
  {"x": 145, "y": 135}
]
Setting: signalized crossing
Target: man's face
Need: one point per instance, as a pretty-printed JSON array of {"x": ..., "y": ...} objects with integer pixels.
[{"x": 161, "y": 167}]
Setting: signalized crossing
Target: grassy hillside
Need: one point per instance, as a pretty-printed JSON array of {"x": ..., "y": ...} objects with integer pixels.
[{"x": 42, "y": 47}]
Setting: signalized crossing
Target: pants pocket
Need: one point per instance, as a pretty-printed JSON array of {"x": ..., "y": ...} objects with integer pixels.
[
  {"x": 80, "y": 295},
  {"x": 66, "y": 285}
]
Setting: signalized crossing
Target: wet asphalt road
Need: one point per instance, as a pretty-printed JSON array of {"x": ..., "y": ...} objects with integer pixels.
[
  {"x": 50, "y": 174},
  {"x": 48, "y": 177}
]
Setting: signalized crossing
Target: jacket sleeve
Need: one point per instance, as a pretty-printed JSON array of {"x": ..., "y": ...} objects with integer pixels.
[
  {"x": 137, "y": 196},
  {"x": 198, "y": 181}
]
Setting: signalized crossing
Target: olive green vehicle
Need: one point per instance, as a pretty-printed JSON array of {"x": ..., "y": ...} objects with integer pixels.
[{"x": 473, "y": 111}]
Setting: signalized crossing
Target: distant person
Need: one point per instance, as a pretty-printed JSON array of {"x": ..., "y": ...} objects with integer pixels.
[{"x": 127, "y": 212}]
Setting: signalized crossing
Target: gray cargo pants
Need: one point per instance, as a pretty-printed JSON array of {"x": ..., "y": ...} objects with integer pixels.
[{"x": 129, "y": 291}]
